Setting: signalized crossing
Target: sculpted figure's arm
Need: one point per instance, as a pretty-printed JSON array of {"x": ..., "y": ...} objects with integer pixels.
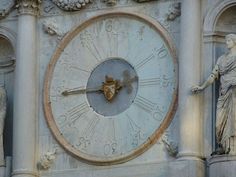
[{"x": 214, "y": 76}]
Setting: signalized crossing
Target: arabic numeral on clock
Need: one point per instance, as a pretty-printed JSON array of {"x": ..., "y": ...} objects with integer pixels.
[
  {"x": 161, "y": 52},
  {"x": 110, "y": 148},
  {"x": 158, "y": 113},
  {"x": 83, "y": 143},
  {"x": 136, "y": 132},
  {"x": 135, "y": 140}
]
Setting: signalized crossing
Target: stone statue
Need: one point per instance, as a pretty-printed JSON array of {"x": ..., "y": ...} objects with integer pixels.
[
  {"x": 3, "y": 101},
  {"x": 225, "y": 70}
]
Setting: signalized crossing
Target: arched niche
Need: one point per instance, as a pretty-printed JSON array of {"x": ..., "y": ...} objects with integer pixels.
[
  {"x": 7, "y": 63},
  {"x": 220, "y": 21}
]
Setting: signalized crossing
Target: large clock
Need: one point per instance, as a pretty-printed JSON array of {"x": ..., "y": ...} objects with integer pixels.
[{"x": 110, "y": 88}]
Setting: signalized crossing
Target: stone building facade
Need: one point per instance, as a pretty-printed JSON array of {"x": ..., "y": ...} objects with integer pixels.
[{"x": 34, "y": 34}]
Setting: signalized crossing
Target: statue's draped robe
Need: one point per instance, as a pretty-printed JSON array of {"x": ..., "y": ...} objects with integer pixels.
[{"x": 226, "y": 105}]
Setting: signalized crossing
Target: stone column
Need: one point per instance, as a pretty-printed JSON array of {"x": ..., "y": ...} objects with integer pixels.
[
  {"x": 25, "y": 93},
  {"x": 190, "y": 143}
]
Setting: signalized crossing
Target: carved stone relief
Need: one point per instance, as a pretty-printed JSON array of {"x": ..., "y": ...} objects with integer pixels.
[
  {"x": 46, "y": 160},
  {"x": 50, "y": 27},
  {"x": 110, "y": 2},
  {"x": 28, "y": 6},
  {"x": 75, "y": 5},
  {"x": 5, "y": 7},
  {"x": 71, "y": 5},
  {"x": 170, "y": 145},
  {"x": 174, "y": 11}
]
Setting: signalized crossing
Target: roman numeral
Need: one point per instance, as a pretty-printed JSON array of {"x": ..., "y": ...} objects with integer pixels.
[
  {"x": 151, "y": 108},
  {"x": 136, "y": 133},
  {"x": 87, "y": 41},
  {"x": 149, "y": 82},
  {"x": 133, "y": 125},
  {"x": 144, "y": 103},
  {"x": 87, "y": 71},
  {"x": 75, "y": 113},
  {"x": 158, "y": 53},
  {"x": 162, "y": 81},
  {"x": 90, "y": 128},
  {"x": 144, "y": 61},
  {"x": 84, "y": 139}
]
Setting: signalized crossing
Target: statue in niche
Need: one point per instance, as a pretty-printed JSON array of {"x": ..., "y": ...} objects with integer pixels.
[
  {"x": 225, "y": 70},
  {"x": 3, "y": 103}
]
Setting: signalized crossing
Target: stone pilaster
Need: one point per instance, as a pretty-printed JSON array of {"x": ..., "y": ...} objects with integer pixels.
[
  {"x": 191, "y": 130},
  {"x": 25, "y": 93}
]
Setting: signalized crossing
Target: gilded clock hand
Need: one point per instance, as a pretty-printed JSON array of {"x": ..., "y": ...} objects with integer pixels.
[
  {"x": 81, "y": 91},
  {"x": 109, "y": 88}
]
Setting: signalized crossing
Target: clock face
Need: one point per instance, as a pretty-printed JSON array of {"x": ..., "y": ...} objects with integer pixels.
[{"x": 111, "y": 88}]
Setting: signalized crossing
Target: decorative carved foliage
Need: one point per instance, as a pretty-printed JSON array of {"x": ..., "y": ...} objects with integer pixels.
[
  {"x": 174, "y": 11},
  {"x": 110, "y": 2},
  {"x": 28, "y": 6},
  {"x": 5, "y": 7},
  {"x": 50, "y": 28},
  {"x": 71, "y": 5},
  {"x": 170, "y": 146},
  {"x": 46, "y": 160}
]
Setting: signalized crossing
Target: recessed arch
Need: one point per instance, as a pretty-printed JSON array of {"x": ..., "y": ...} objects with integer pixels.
[
  {"x": 7, "y": 58},
  {"x": 213, "y": 48},
  {"x": 8, "y": 35},
  {"x": 214, "y": 14}
]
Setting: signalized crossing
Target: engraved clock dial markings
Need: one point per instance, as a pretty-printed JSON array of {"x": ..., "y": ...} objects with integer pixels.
[
  {"x": 161, "y": 52},
  {"x": 112, "y": 27},
  {"x": 111, "y": 144},
  {"x": 136, "y": 132},
  {"x": 86, "y": 137},
  {"x": 85, "y": 70},
  {"x": 135, "y": 45},
  {"x": 144, "y": 61},
  {"x": 75, "y": 113},
  {"x": 149, "y": 82},
  {"x": 157, "y": 53},
  {"x": 149, "y": 107},
  {"x": 162, "y": 81},
  {"x": 88, "y": 42},
  {"x": 117, "y": 76}
]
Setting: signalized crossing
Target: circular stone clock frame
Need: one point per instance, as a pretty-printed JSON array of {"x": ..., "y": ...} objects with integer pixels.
[{"x": 160, "y": 128}]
